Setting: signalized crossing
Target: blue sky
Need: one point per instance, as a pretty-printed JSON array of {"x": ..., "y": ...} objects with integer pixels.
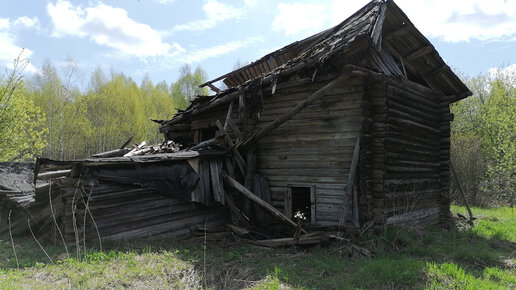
[{"x": 156, "y": 37}]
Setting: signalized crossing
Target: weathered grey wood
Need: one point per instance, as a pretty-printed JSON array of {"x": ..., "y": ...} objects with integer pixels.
[
  {"x": 240, "y": 188},
  {"x": 314, "y": 97}
]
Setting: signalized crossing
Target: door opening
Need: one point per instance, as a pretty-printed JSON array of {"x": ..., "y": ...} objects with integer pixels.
[{"x": 301, "y": 198}]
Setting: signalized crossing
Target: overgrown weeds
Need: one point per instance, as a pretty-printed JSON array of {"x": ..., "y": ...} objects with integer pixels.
[{"x": 481, "y": 256}]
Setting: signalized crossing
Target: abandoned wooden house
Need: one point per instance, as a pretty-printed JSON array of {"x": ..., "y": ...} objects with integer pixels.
[{"x": 349, "y": 126}]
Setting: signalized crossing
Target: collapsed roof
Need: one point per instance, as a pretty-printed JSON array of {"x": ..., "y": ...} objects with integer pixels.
[{"x": 396, "y": 46}]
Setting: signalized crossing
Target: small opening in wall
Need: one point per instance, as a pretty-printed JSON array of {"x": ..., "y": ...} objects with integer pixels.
[{"x": 302, "y": 201}]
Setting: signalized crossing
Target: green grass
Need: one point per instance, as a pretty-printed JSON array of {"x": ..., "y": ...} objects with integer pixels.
[{"x": 479, "y": 257}]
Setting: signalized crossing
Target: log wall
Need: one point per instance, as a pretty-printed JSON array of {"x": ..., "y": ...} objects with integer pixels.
[
  {"x": 314, "y": 148},
  {"x": 408, "y": 131}
]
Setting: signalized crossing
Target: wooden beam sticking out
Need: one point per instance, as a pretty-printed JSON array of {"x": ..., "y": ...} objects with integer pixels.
[
  {"x": 397, "y": 33},
  {"x": 228, "y": 115},
  {"x": 213, "y": 87},
  {"x": 350, "y": 184},
  {"x": 240, "y": 188},
  {"x": 288, "y": 115},
  {"x": 419, "y": 53}
]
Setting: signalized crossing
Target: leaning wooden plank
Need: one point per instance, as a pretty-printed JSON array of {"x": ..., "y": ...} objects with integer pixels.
[
  {"x": 288, "y": 115},
  {"x": 216, "y": 181},
  {"x": 289, "y": 241},
  {"x": 240, "y": 188},
  {"x": 54, "y": 174}
]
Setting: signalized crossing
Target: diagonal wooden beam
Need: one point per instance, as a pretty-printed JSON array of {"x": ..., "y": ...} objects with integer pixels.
[
  {"x": 276, "y": 213},
  {"x": 246, "y": 144}
]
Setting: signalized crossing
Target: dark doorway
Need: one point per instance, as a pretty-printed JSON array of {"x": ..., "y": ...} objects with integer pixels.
[{"x": 301, "y": 201}]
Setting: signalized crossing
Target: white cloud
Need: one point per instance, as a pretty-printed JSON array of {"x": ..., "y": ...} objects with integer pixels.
[
  {"x": 9, "y": 50},
  {"x": 299, "y": 18},
  {"x": 109, "y": 26},
  {"x": 216, "y": 12},
  {"x": 463, "y": 20},
  {"x": 218, "y": 50},
  {"x": 27, "y": 22},
  {"x": 453, "y": 21},
  {"x": 5, "y": 24},
  {"x": 304, "y": 19}
]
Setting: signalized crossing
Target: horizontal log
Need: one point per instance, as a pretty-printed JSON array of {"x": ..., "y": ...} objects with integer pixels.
[{"x": 112, "y": 153}]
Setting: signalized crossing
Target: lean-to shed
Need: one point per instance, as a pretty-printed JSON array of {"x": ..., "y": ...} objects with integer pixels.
[{"x": 350, "y": 125}]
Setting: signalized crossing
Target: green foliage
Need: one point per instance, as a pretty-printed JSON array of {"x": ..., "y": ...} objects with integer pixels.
[
  {"x": 21, "y": 122},
  {"x": 113, "y": 109},
  {"x": 186, "y": 88},
  {"x": 484, "y": 139}
]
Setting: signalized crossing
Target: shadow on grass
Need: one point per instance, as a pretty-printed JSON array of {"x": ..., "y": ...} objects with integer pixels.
[{"x": 421, "y": 258}]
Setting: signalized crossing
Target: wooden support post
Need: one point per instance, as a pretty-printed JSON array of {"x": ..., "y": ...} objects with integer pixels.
[
  {"x": 288, "y": 115},
  {"x": 462, "y": 192},
  {"x": 240, "y": 188},
  {"x": 350, "y": 184}
]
